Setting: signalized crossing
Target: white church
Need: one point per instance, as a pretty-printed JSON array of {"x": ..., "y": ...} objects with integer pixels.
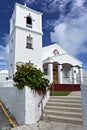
[{"x": 59, "y": 66}]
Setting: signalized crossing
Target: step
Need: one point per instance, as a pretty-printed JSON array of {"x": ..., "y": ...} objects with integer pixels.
[
  {"x": 63, "y": 113},
  {"x": 54, "y": 118},
  {"x": 66, "y": 97},
  {"x": 59, "y": 108},
  {"x": 5, "y": 128},
  {"x": 64, "y": 100},
  {"x": 64, "y": 104}
]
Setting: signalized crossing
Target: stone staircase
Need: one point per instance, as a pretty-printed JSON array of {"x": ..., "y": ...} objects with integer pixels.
[{"x": 65, "y": 109}]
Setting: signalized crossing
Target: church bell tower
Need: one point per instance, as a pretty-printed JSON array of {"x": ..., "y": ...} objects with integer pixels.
[{"x": 25, "y": 38}]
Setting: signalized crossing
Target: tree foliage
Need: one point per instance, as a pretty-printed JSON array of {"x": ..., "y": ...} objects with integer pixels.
[{"x": 32, "y": 77}]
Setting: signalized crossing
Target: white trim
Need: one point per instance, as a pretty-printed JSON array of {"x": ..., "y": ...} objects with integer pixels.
[
  {"x": 65, "y": 52},
  {"x": 26, "y": 29},
  {"x": 53, "y": 58},
  {"x": 29, "y": 9},
  {"x": 29, "y": 29}
]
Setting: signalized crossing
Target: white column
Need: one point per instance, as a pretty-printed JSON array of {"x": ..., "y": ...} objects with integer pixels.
[
  {"x": 71, "y": 76},
  {"x": 60, "y": 75},
  {"x": 80, "y": 75},
  {"x": 50, "y": 72}
]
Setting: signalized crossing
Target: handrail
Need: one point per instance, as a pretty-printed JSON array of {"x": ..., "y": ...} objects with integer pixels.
[
  {"x": 43, "y": 96},
  {"x": 41, "y": 102},
  {"x": 7, "y": 115},
  {"x": 75, "y": 79},
  {"x": 78, "y": 80}
]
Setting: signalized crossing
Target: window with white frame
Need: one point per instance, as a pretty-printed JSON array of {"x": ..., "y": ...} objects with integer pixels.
[{"x": 29, "y": 42}]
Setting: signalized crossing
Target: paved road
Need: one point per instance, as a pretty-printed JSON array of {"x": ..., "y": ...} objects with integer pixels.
[{"x": 4, "y": 123}]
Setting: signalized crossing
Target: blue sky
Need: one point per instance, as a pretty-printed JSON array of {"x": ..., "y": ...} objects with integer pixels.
[{"x": 64, "y": 22}]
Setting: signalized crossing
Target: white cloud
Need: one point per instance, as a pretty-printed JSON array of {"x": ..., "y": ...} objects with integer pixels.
[
  {"x": 70, "y": 28},
  {"x": 48, "y": 6},
  {"x": 51, "y": 6},
  {"x": 5, "y": 38},
  {"x": 7, "y": 48},
  {"x": 4, "y": 50},
  {"x": 50, "y": 23},
  {"x": 1, "y": 58},
  {"x": 3, "y": 63},
  {"x": 3, "y": 53},
  {"x": 29, "y": 2},
  {"x": 79, "y": 2},
  {"x": 71, "y": 34}
]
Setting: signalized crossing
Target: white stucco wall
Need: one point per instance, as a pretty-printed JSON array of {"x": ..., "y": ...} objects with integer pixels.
[
  {"x": 85, "y": 77},
  {"x": 84, "y": 105},
  {"x": 23, "y": 104},
  {"x": 32, "y": 111},
  {"x": 24, "y": 54}
]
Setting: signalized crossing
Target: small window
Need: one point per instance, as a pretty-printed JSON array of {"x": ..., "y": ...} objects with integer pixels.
[
  {"x": 29, "y": 22},
  {"x": 29, "y": 43},
  {"x": 45, "y": 71},
  {"x": 55, "y": 52}
]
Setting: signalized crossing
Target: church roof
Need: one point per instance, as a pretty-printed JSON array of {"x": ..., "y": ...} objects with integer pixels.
[{"x": 55, "y": 50}]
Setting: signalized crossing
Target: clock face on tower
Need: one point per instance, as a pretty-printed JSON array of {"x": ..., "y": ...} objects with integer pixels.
[{"x": 55, "y": 52}]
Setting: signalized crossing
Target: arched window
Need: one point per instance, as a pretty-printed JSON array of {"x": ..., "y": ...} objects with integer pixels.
[{"x": 29, "y": 21}]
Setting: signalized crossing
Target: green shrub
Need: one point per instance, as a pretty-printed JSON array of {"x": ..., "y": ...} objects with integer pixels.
[{"x": 32, "y": 77}]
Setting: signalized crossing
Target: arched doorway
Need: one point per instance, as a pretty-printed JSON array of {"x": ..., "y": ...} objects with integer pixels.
[{"x": 55, "y": 72}]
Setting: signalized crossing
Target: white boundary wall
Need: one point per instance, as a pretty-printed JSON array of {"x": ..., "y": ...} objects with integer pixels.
[
  {"x": 23, "y": 104},
  {"x": 84, "y": 105}
]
